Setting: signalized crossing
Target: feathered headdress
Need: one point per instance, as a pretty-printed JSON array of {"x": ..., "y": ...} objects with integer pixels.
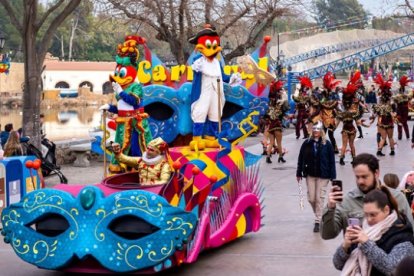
[
  {"x": 385, "y": 86},
  {"x": 305, "y": 82},
  {"x": 353, "y": 84},
  {"x": 356, "y": 79},
  {"x": 404, "y": 80},
  {"x": 329, "y": 81},
  {"x": 276, "y": 85}
]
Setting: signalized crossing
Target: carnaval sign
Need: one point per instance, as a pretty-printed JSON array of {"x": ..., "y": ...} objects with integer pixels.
[{"x": 158, "y": 74}]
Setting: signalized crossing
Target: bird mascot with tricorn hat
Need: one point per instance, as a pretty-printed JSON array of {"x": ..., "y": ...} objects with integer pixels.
[{"x": 207, "y": 94}]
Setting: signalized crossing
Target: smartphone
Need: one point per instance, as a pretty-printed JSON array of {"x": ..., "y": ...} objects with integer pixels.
[
  {"x": 354, "y": 222},
  {"x": 338, "y": 184}
]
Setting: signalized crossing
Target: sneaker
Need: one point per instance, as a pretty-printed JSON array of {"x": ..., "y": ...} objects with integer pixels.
[
  {"x": 392, "y": 153},
  {"x": 316, "y": 228},
  {"x": 379, "y": 153}
]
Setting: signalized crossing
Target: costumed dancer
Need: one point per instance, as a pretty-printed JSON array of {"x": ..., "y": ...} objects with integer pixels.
[
  {"x": 385, "y": 113},
  {"x": 314, "y": 108},
  {"x": 278, "y": 106},
  {"x": 132, "y": 129},
  {"x": 302, "y": 99},
  {"x": 360, "y": 95},
  {"x": 153, "y": 167},
  {"x": 349, "y": 114},
  {"x": 328, "y": 103},
  {"x": 207, "y": 94},
  {"x": 401, "y": 100}
]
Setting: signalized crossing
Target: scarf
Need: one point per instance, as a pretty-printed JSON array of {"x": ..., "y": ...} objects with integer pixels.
[{"x": 358, "y": 264}]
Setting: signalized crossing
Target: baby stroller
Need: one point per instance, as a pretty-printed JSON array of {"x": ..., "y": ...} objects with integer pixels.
[{"x": 48, "y": 157}]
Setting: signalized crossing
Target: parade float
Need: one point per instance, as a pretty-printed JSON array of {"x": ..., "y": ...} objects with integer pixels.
[{"x": 213, "y": 195}]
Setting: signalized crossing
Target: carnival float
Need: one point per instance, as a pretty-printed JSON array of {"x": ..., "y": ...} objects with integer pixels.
[{"x": 210, "y": 193}]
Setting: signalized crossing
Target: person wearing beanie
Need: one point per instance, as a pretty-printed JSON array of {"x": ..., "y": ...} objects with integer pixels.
[{"x": 152, "y": 167}]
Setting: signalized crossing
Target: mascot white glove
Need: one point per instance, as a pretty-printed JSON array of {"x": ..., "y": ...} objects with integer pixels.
[
  {"x": 117, "y": 88},
  {"x": 197, "y": 65},
  {"x": 104, "y": 107},
  {"x": 235, "y": 79}
]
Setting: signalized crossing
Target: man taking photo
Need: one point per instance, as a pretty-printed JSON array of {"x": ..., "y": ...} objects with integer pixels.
[{"x": 340, "y": 208}]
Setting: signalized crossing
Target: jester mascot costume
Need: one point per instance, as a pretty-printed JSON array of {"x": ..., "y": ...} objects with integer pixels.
[
  {"x": 132, "y": 130},
  {"x": 207, "y": 94},
  {"x": 401, "y": 100}
]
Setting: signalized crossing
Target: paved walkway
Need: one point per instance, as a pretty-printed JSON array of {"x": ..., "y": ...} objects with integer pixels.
[{"x": 285, "y": 246}]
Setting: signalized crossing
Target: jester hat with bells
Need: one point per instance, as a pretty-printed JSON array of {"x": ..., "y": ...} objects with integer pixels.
[
  {"x": 404, "y": 80},
  {"x": 385, "y": 87},
  {"x": 158, "y": 145},
  {"x": 127, "y": 60}
]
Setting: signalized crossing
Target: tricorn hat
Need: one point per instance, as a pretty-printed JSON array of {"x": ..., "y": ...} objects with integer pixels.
[{"x": 207, "y": 31}]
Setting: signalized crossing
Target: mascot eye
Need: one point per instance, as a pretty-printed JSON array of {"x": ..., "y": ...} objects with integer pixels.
[
  {"x": 159, "y": 111},
  {"x": 131, "y": 227},
  {"x": 215, "y": 44},
  {"x": 122, "y": 72},
  {"x": 50, "y": 225},
  {"x": 208, "y": 44},
  {"x": 116, "y": 72}
]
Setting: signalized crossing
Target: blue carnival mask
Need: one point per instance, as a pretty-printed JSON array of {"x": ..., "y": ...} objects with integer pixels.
[
  {"x": 124, "y": 232},
  {"x": 170, "y": 110}
]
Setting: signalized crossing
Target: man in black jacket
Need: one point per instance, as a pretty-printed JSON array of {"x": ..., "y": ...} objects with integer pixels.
[{"x": 316, "y": 163}]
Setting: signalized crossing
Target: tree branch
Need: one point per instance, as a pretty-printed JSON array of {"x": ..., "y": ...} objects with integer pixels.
[
  {"x": 183, "y": 4},
  {"x": 12, "y": 14},
  {"x": 254, "y": 34},
  {"x": 234, "y": 20},
  {"x": 135, "y": 16},
  {"x": 207, "y": 10},
  {"x": 407, "y": 2},
  {"x": 47, "y": 13},
  {"x": 56, "y": 22},
  {"x": 172, "y": 15}
]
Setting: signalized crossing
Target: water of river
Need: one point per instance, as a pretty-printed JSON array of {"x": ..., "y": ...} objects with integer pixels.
[{"x": 59, "y": 124}]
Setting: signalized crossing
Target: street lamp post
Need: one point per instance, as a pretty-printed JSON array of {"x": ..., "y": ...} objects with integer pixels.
[{"x": 226, "y": 49}]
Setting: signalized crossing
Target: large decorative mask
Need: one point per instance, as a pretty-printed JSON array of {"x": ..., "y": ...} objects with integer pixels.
[
  {"x": 170, "y": 115},
  {"x": 126, "y": 231}
]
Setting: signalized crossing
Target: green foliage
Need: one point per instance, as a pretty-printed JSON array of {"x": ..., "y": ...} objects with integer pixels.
[
  {"x": 13, "y": 39},
  {"x": 329, "y": 12},
  {"x": 95, "y": 38}
]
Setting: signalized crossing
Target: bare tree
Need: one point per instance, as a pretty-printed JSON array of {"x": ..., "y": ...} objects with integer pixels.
[
  {"x": 29, "y": 21},
  {"x": 409, "y": 9},
  {"x": 176, "y": 21}
]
